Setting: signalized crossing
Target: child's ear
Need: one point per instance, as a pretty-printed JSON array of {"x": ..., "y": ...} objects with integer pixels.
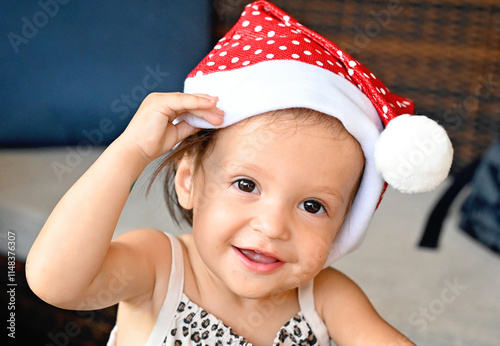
[{"x": 184, "y": 182}]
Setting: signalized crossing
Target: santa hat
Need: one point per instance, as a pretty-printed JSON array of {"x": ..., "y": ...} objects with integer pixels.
[{"x": 269, "y": 61}]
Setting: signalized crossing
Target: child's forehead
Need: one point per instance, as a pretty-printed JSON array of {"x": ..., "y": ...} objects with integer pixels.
[
  {"x": 277, "y": 131},
  {"x": 287, "y": 121},
  {"x": 264, "y": 122}
]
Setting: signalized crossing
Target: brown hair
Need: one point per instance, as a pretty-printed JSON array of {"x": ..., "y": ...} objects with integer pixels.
[{"x": 202, "y": 143}]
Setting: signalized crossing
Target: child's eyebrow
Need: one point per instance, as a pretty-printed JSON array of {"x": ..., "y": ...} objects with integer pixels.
[
  {"x": 331, "y": 191},
  {"x": 231, "y": 166}
]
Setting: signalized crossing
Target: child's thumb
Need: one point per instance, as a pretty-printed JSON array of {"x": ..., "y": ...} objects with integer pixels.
[{"x": 183, "y": 130}]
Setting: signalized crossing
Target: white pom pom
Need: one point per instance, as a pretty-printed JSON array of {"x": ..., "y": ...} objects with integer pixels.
[{"x": 413, "y": 154}]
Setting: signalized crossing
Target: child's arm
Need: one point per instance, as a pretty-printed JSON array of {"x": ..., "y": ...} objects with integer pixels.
[
  {"x": 349, "y": 315},
  {"x": 73, "y": 262}
]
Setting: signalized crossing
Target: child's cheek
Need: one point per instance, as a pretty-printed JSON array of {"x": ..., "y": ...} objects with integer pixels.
[
  {"x": 311, "y": 262},
  {"x": 215, "y": 205},
  {"x": 207, "y": 197},
  {"x": 318, "y": 251}
]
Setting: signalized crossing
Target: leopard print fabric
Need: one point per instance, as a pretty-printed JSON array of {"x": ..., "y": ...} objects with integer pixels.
[{"x": 195, "y": 326}]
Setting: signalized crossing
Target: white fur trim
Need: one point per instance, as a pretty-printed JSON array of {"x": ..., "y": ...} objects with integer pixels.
[{"x": 281, "y": 84}]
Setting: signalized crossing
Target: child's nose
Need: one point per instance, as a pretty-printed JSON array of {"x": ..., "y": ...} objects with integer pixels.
[{"x": 273, "y": 220}]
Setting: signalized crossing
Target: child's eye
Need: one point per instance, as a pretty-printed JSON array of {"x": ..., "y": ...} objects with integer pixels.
[
  {"x": 246, "y": 185},
  {"x": 313, "y": 207}
]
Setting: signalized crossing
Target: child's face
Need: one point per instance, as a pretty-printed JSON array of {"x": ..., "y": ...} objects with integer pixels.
[{"x": 278, "y": 189}]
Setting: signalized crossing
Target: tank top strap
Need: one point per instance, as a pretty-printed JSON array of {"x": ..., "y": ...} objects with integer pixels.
[
  {"x": 308, "y": 309},
  {"x": 173, "y": 296}
]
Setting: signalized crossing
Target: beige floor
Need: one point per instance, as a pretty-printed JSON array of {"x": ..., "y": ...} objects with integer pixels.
[{"x": 445, "y": 297}]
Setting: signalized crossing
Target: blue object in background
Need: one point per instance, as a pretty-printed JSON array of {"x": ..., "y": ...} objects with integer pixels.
[
  {"x": 74, "y": 72},
  {"x": 481, "y": 210}
]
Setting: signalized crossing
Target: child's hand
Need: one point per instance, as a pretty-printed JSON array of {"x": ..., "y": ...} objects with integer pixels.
[{"x": 151, "y": 131}]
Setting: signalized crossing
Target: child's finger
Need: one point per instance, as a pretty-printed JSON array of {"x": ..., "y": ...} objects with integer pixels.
[
  {"x": 175, "y": 104},
  {"x": 210, "y": 115},
  {"x": 208, "y": 97},
  {"x": 182, "y": 130},
  {"x": 179, "y": 102}
]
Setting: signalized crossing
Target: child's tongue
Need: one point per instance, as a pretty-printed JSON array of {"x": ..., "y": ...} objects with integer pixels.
[{"x": 258, "y": 257}]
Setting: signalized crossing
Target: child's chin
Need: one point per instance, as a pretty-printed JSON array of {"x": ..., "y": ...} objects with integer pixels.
[{"x": 256, "y": 291}]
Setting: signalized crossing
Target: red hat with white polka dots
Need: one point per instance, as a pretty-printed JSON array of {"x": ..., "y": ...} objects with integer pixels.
[{"x": 269, "y": 61}]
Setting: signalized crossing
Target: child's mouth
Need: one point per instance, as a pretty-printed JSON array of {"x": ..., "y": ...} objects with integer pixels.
[
  {"x": 258, "y": 257},
  {"x": 257, "y": 261}
]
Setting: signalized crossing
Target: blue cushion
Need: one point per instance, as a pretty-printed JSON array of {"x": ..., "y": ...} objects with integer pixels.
[{"x": 74, "y": 72}]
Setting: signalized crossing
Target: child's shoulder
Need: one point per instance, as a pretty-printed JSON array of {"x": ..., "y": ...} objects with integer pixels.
[
  {"x": 146, "y": 253},
  {"x": 332, "y": 288},
  {"x": 145, "y": 244},
  {"x": 347, "y": 312},
  {"x": 339, "y": 301}
]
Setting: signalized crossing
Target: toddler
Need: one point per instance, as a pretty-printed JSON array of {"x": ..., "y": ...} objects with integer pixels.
[{"x": 277, "y": 155}]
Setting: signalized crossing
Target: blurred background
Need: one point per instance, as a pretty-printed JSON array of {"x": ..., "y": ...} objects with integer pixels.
[{"x": 73, "y": 74}]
